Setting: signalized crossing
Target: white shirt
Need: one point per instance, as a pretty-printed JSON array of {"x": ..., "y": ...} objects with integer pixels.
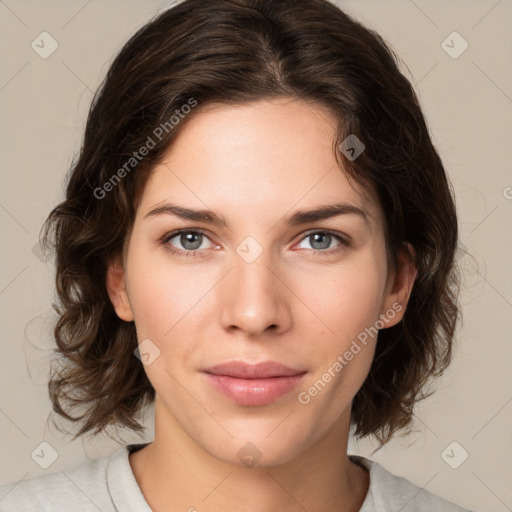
[{"x": 109, "y": 485}]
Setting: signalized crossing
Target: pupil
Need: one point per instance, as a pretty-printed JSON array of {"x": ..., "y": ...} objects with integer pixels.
[
  {"x": 324, "y": 244},
  {"x": 188, "y": 238}
]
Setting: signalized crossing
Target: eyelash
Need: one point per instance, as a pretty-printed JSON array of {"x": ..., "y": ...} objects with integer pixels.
[{"x": 344, "y": 243}]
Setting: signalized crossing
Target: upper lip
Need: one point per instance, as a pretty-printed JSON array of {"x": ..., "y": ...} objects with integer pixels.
[{"x": 243, "y": 370}]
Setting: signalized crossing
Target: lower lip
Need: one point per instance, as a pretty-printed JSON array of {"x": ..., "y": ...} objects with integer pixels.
[{"x": 254, "y": 392}]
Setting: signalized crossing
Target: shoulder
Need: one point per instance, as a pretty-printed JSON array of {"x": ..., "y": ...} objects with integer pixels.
[
  {"x": 389, "y": 492},
  {"x": 80, "y": 488}
]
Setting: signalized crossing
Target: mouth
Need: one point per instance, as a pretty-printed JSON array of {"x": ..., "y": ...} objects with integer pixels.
[{"x": 253, "y": 384}]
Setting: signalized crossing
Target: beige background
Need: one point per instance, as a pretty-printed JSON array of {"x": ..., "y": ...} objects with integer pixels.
[{"x": 468, "y": 103}]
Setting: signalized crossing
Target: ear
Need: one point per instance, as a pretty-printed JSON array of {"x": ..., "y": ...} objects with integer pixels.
[
  {"x": 116, "y": 287},
  {"x": 399, "y": 287}
]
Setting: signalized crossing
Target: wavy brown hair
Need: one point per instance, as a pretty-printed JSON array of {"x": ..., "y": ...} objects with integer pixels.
[{"x": 233, "y": 52}]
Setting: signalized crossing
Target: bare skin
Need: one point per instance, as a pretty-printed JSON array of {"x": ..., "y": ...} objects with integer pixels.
[{"x": 296, "y": 303}]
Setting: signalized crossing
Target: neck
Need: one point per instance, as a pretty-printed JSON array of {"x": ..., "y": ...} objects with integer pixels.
[{"x": 175, "y": 474}]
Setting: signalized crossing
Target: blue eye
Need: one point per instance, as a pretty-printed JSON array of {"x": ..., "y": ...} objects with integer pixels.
[
  {"x": 323, "y": 240},
  {"x": 191, "y": 241}
]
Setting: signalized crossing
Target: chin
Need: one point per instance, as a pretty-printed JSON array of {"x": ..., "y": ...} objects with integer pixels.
[{"x": 258, "y": 450}]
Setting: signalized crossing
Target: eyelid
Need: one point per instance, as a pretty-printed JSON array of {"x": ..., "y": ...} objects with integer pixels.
[
  {"x": 172, "y": 234},
  {"x": 345, "y": 241},
  {"x": 168, "y": 236},
  {"x": 345, "y": 238}
]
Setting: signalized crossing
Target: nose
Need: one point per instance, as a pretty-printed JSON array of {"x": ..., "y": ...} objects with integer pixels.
[{"x": 255, "y": 299}]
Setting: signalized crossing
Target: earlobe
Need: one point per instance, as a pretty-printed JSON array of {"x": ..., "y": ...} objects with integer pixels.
[
  {"x": 400, "y": 287},
  {"x": 116, "y": 287}
]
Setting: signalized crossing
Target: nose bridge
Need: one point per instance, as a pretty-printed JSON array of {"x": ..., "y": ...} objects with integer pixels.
[{"x": 254, "y": 297}]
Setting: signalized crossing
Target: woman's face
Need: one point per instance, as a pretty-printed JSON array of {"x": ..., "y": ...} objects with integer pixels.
[{"x": 261, "y": 287}]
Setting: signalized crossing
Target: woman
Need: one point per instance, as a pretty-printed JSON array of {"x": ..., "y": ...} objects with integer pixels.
[{"x": 259, "y": 236}]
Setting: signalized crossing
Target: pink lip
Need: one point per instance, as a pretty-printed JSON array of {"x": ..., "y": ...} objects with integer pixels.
[{"x": 253, "y": 385}]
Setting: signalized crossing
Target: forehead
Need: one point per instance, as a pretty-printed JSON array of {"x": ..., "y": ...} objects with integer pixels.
[{"x": 259, "y": 158}]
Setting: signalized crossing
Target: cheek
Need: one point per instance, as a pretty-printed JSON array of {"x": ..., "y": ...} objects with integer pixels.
[
  {"x": 348, "y": 305},
  {"x": 167, "y": 300},
  {"x": 349, "y": 298},
  {"x": 164, "y": 293},
  {"x": 343, "y": 352}
]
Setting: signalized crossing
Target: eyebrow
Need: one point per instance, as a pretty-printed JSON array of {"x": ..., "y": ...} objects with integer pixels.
[{"x": 299, "y": 217}]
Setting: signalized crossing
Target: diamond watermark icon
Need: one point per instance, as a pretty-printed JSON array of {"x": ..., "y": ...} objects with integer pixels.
[
  {"x": 454, "y": 45},
  {"x": 37, "y": 251},
  {"x": 352, "y": 147},
  {"x": 147, "y": 352},
  {"x": 44, "y": 45},
  {"x": 249, "y": 249},
  {"x": 249, "y": 455},
  {"x": 44, "y": 455},
  {"x": 454, "y": 455}
]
